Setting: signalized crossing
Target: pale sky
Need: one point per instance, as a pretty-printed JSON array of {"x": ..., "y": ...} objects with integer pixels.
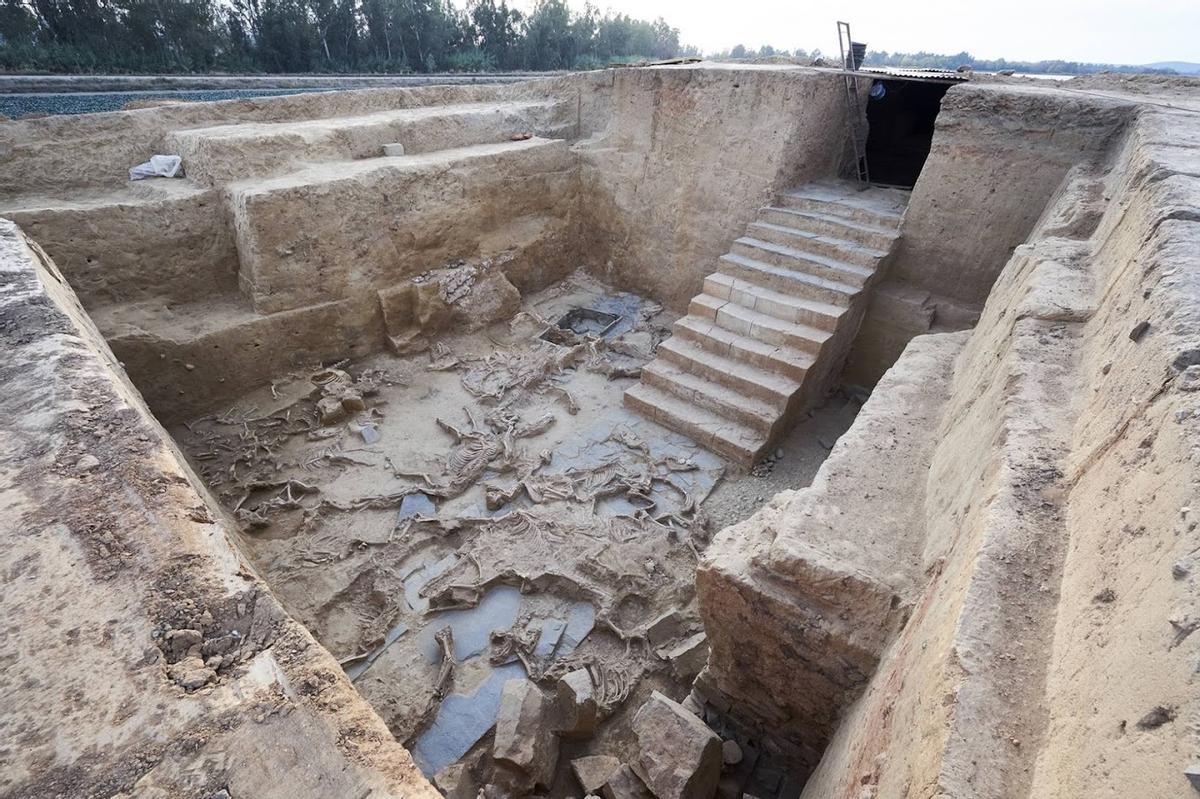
[{"x": 1107, "y": 31}]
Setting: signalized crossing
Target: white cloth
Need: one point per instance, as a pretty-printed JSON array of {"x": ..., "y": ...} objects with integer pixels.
[{"x": 159, "y": 166}]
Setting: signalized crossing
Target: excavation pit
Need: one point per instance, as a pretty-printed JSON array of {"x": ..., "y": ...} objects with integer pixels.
[
  {"x": 855, "y": 468},
  {"x": 493, "y": 485}
]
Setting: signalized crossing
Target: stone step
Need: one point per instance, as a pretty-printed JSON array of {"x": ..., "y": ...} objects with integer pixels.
[
  {"x": 842, "y": 250},
  {"x": 839, "y": 227},
  {"x": 708, "y": 429},
  {"x": 787, "y": 281},
  {"x": 752, "y": 381},
  {"x": 736, "y": 365},
  {"x": 821, "y": 315},
  {"x": 843, "y": 204},
  {"x": 834, "y": 269},
  {"x": 722, "y": 400},
  {"x": 708, "y": 334},
  {"x": 758, "y": 326}
]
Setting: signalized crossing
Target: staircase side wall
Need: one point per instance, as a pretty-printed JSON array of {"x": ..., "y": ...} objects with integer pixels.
[
  {"x": 827, "y": 371},
  {"x": 999, "y": 155},
  {"x": 800, "y": 599}
]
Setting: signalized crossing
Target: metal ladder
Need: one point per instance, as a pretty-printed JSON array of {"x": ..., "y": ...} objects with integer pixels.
[{"x": 853, "y": 106}]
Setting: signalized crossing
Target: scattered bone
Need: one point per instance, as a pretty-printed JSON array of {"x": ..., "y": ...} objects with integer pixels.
[
  {"x": 445, "y": 676},
  {"x": 441, "y": 359},
  {"x": 613, "y": 684}
]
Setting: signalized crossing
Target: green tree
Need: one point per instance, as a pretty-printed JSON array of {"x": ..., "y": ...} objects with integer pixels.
[
  {"x": 496, "y": 32},
  {"x": 18, "y": 24},
  {"x": 318, "y": 35},
  {"x": 549, "y": 40}
]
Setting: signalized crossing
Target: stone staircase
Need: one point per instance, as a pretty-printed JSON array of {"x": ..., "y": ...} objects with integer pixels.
[{"x": 775, "y": 321}]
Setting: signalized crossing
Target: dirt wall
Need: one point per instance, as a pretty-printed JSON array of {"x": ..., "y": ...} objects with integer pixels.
[
  {"x": 1050, "y": 651},
  {"x": 676, "y": 161},
  {"x": 1123, "y": 646},
  {"x": 142, "y": 654},
  {"x": 999, "y": 156},
  {"x": 59, "y": 155}
]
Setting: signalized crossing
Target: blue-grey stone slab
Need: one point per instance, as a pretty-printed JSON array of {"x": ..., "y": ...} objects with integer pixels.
[
  {"x": 472, "y": 627},
  {"x": 417, "y": 504},
  {"x": 462, "y": 719}
]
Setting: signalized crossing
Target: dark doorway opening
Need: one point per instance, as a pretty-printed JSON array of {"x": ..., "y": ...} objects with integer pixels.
[{"x": 901, "y": 114}]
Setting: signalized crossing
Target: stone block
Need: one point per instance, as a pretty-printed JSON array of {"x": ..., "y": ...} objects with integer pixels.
[
  {"x": 455, "y": 782},
  {"x": 625, "y": 784},
  {"x": 679, "y": 757},
  {"x": 524, "y": 740},
  {"x": 594, "y": 771},
  {"x": 689, "y": 656},
  {"x": 666, "y": 628},
  {"x": 576, "y": 711}
]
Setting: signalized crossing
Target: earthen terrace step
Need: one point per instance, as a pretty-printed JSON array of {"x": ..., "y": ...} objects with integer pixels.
[
  {"x": 351, "y": 171},
  {"x": 708, "y": 334},
  {"x": 830, "y": 202},
  {"x": 752, "y": 381},
  {"x": 333, "y": 208},
  {"x": 844, "y": 250},
  {"x": 839, "y": 269},
  {"x": 224, "y": 153}
]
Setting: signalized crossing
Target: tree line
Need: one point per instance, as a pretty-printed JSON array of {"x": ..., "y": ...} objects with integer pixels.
[
  {"x": 285, "y": 36},
  {"x": 924, "y": 60}
]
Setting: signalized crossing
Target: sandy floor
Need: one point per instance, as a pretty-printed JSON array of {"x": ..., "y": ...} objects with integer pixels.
[
  {"x": 495, "y": 486},
  {"x": 797, "y": 459}
]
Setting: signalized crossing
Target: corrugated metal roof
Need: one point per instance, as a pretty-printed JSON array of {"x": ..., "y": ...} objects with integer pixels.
[{"x": 918, "y": 74}]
